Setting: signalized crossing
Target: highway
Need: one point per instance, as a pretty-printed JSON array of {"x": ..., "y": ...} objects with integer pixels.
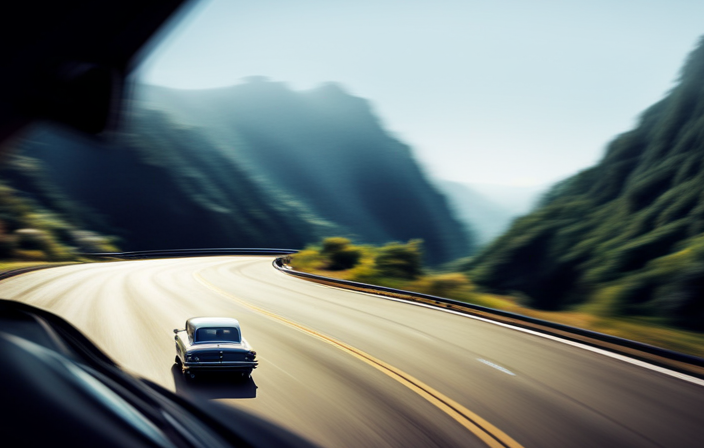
[{"x": 346, "y": 369}]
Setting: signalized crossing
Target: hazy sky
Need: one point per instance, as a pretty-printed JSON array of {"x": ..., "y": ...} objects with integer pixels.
[{"x": 495, "y": 91}]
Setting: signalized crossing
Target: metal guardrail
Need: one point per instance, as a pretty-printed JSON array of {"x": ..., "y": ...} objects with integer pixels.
[
  {"x": 174, "y": 253},
  {"x": 146, "y": 254},
  {"x": 688, "y": 364}
]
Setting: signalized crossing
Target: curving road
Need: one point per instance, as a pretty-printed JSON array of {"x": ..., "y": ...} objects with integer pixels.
[{"x": 349, "y": 369}]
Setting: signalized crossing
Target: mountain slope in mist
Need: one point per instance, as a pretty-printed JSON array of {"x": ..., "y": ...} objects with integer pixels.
[
  {"x": 162, "y": 186},
  {"x": 325, "y": 148},
  {"x": 255, "y": 165},
  {"x": 488, "y": 210}
]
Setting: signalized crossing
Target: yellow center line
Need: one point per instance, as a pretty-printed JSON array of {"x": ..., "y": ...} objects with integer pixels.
[{"x": 488, "y": 433}]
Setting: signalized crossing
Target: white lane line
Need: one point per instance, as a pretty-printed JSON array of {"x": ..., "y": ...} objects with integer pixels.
[
  {"x": 637, "y": 362},
  {"x": 496, "y": 366},
  {"x": 268, "y": 362}
]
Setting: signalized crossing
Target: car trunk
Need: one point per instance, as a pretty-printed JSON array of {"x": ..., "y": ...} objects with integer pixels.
[
  {"x": 234, "y": 356},
  {"x": 208, "y": 356}
]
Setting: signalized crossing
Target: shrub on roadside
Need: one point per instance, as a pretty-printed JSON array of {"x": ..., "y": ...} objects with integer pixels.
[
  {"x": 398, "y": 260},
  {"x": 449, "y": 285},
  {"x": 308, "y": 260},
  {"x": 88, "y": 241},
  {"x": 341, "y": 254},
  {"x": 32, "y": 242}
]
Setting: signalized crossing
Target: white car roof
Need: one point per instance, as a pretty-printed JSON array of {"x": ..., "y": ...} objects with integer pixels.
[{"x": 210, "y": 322}]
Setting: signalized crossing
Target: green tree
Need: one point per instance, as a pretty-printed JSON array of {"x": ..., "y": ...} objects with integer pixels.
[
  {"x": 445, "y": 285},
  {"x": 340, "y": 253},
  {"x": 400, "y": 260},
  {"x": 8, "y": 243}
]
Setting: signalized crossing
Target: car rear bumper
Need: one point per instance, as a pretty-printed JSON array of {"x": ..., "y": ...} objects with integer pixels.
[{"x": 232, "y": 366}]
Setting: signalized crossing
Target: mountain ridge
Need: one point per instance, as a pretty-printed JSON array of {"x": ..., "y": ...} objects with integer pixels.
[
  {"x": 258, "y": 165},
  {"x": 327, "y": 148},
  {"x": 626, "y": 236}
]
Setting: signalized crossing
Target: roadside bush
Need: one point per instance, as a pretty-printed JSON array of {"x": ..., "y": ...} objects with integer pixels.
[
  {"x": 334, "y": 244},
  {"x": 32, "y": 239},
  {"x": 307, "y": 260},
  {"x": 32, "y": 242},
  {"x": 88, "y": 242},
  {"x": 398, "y": 260},
  {"x": 365, "y": 271},
  {"x": 340, "y": 253},
  {"x": 30, "y": 255},
  {"x": 680, "y": 299},
  {"x": 394, "y": 264},
  {"x": 8, "y": 243},
  {"x": 444, "y": 285}
]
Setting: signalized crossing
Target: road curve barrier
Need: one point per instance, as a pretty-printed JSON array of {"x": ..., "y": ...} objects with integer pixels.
[
  {"x": 679, "y": 362},
  {"x": 147, "y": 254},
  {"x": 177, "y": 253}
]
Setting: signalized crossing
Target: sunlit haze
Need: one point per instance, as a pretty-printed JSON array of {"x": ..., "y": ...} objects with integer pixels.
[{"x": 500, "y": 92}]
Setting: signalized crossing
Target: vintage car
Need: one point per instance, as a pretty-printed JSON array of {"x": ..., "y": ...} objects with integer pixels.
[{"x": 213, "y": 344}]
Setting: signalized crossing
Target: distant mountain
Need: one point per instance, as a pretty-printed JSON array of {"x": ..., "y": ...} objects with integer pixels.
[
  {"x": 256, "y": 165},
  {"x": 487, "y": 219},
  {"x": 517, "y": 200},
  {"x": 160, "y": 185},
  {"x": 488, "y": 209},
  {"x": 326, "y": 149},
  {"x": 626, "y": 236}
]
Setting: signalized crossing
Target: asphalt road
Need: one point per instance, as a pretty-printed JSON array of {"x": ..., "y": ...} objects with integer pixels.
[{"x": 349, "y": 369}]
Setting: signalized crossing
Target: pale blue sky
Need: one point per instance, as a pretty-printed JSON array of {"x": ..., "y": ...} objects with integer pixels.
[{"x": 505, "y": 92}]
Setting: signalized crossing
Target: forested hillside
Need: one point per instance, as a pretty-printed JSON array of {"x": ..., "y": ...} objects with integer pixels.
[
  {"x": 327, "y": 149},
  {"x": 256, "y": 165},
  {"x": 37, "y": 223},
  {"x": 159, "y": 185},
  {"x": 626, "y": 236}
]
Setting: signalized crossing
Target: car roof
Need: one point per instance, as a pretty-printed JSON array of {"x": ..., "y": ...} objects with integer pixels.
[{"x": 210, "y": 322}]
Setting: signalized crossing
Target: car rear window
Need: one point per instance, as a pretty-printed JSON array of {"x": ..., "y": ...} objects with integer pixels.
[{"x": 217, "y": 334}]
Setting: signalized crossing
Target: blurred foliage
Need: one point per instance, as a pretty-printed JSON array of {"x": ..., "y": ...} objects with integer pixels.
[
  {"x": 452, "y": 284},
  {"x": 340, "y": 253},
  {"x": 624, "y": 238},
  {"x": 395, "y": 264},
  {"x": 601, "y": 313},
  {"x": 398, "y": 260},
  {"x": 31, "y": 232}
]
